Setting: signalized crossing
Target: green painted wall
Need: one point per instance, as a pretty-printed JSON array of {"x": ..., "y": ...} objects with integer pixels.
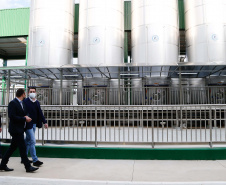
[
  {"x": 15, "y": 22},
  {"x": 76, "y": 17},
  {"x": 129, "y": 153},
  {"x": 127, "y": 17},
  {"x": 181, "y": 14}
]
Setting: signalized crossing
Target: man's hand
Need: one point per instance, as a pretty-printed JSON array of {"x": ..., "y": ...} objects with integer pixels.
[
  {"x": 46, "y": 125},
  {"x": 0, "y": 129},
  {"x": 28, "y": 119}
]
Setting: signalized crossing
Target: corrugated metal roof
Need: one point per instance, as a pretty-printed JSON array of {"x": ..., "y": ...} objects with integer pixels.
[{"x": 14, "y": 22}]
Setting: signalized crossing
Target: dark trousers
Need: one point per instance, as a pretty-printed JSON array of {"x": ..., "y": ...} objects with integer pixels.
[
  {"x": 0, "y": 148},
  {"x": 17, "y": 141}
]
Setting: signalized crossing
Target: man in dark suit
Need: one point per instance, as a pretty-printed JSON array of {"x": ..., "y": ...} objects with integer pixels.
[{"x": 18, "y": 119}]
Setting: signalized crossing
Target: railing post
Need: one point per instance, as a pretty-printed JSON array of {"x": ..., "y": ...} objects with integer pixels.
[
  {"x": 119, "y": 90},
  {"x": 61, "y": 86},
  {"x": 152, "y": 126},
  {"x": 42, "y": 135},
  {"x": 95, "y": 126},
  {"x": 60, "y": 120},
  {"x": 211, "y": 130}
]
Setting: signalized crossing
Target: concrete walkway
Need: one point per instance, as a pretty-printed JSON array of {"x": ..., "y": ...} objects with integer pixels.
[{"x": 103, "y": 172}]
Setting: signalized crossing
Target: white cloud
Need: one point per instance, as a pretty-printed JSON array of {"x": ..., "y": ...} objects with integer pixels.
[{"x": 7, "y": 4}]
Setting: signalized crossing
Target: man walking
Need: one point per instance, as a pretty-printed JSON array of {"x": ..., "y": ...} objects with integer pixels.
[
  {"x": 35, "y": 112},
  {"x": 18, "y": 119}
]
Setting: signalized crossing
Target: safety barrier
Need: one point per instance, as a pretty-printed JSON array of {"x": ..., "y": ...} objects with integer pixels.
[{"x": 132, "y": 125}]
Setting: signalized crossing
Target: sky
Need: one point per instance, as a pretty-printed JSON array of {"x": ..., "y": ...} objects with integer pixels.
[{"x": 7, "y": 4}]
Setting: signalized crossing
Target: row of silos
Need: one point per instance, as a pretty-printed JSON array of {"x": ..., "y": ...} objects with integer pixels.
[{"x": 155, "y": 32}]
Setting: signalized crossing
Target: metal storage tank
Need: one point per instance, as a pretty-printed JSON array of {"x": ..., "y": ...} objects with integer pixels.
[
  {"x": 116, "y": 95},
  {"x": 93, "y": 91},
  {"x": 101, "y": 32},
  {"x": 156, "y": 90},
  {"x": 137, "y": 95},
  {"x": 193, "y": 91},
  {"x": 155, "y": 32},
  {"x": 205, "y": 31},
  {"x": 51, "y": 33}
]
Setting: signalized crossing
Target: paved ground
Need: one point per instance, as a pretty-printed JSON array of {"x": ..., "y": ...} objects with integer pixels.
[{"x": 103, "y": 172}]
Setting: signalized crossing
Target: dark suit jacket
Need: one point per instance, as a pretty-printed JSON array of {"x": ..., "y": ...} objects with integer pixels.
[
  {"x": 30, "y": 108},
  {"x": 16, "y": 116}
]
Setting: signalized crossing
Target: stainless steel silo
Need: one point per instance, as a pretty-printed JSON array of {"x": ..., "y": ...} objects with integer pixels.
[
  {"x": 101, "y": 32},
  {"x": 51, "y": 33},
  {"x": 93, "y": 91},
  {"x": 137, "y": 95},
  {"x": 205, "y": 31},
  {"x": 156, "y": 90},
  {"x": 193, "y": 91},
  {"x": 155, "y": 32}
]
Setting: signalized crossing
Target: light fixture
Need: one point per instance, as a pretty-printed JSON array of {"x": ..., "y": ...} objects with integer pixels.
[
  {"x": 129, "y": 74},
  {"x": 15, "y": 76},
  {"x": 23, "y": 40},
  {"x": 188, "y": 73},
  {"x": 71, "y": 75}
]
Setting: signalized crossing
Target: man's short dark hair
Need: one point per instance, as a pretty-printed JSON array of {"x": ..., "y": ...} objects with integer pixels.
[
  {"x": 31, "y": 88},
  {"x": 19, "y": 92}
]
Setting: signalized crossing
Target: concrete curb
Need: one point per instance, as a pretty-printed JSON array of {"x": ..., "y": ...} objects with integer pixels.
[{"x": 44, "y": 181}]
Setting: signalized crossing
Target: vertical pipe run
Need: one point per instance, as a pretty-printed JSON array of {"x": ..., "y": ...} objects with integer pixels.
[
  {"x": 3, "y": 83},
  {"x": 95, "y": 126},
  {"x": 61, "y": 86},
  {"x": 8, "y": 87},
  {"x": 119, "y": 98},
  {"x": 25, "y": 82}
]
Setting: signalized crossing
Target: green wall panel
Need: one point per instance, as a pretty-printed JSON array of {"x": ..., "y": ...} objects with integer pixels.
[
  {"x": 127, "y": 16},
  {"x": 76, "y": 17},
  {"x": 14, "y": 22},
  {"x": 181, "y": 14}
]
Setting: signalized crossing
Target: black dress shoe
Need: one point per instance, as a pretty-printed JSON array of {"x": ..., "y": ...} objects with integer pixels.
[
  {"x": 29, "y": 161},
  {"x": 31, "y": 169},
  {"x": 37, "y": 163},
  {"x": 5, "y": 168}
]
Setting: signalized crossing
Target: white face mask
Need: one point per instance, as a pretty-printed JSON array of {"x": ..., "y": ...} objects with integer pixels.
[{"x": 32, "y": 95}]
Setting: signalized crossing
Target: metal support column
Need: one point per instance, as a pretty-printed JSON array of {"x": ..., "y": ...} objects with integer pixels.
[
  {"x": 119, "y": 94},
  {"x": 4, "y": 83},
  {"x": 181, "y": 90},
  {"x": 126, "y": 48},
  {"x": 25, "y": 82},
  {"x": 8, "y": 88},
  {"x": 61, "y": 86},
  {"x": 181, "y": 101},
  {"x": 61, "y": 98}
]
